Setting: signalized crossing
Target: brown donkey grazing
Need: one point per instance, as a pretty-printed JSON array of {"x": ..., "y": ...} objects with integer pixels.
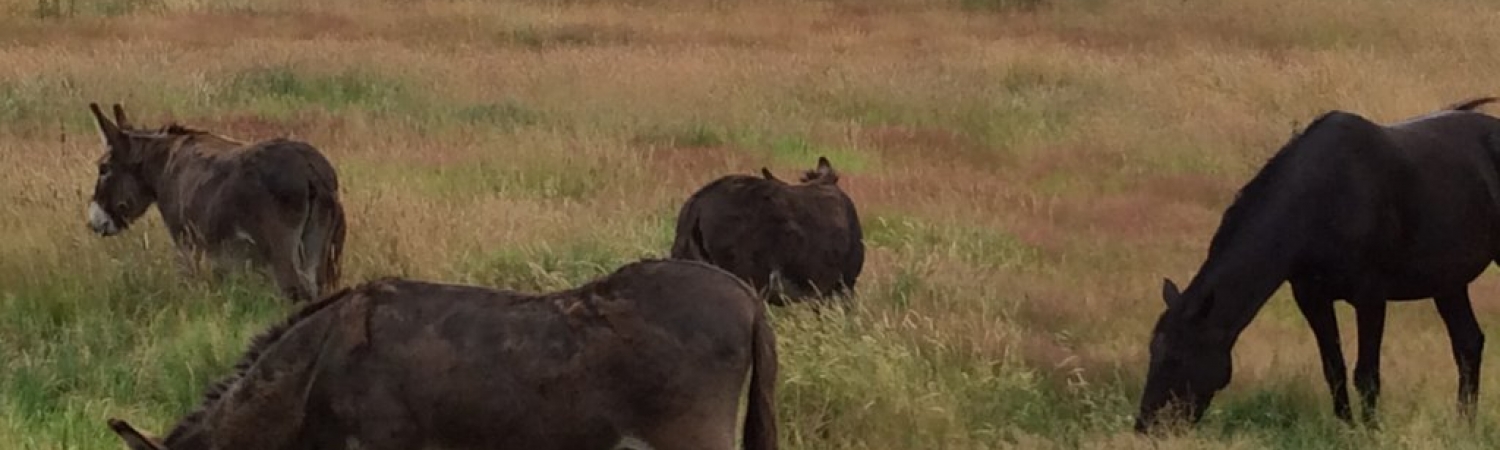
[
  {"x": 1348, "y": 209},
  {"x": 790, "y": 241},
  {"x": 651, "y": 357},
  {"x": 274, "y": 203}
]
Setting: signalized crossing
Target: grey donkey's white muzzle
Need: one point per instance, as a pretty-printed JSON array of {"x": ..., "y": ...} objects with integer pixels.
[{"x": 100, "y": 221}]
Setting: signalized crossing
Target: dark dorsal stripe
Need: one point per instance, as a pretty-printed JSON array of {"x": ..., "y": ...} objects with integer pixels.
[{"x": 171, "y": 129}]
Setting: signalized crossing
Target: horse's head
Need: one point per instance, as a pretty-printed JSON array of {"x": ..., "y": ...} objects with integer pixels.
[{"x": 1190, "y": 362}]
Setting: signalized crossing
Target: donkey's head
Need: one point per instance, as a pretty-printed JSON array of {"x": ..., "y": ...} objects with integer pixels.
[
  {"x": 823, "y": 174},
  {"x": 122, "y": 193}
]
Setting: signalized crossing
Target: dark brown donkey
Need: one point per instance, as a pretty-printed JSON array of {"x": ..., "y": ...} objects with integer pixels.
[
  {"x": 790, "y": 241},
  {"x": 274, "y": 203},
  {"x": 651, "y": 357},
  {"x": 1352, "y": 210}
]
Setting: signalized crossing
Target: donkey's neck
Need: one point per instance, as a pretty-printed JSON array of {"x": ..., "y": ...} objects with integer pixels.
[{"x": 156, "y": 155}]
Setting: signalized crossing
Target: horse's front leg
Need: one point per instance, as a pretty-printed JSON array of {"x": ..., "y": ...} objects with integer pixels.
[{"x": 1317, "y": 307}]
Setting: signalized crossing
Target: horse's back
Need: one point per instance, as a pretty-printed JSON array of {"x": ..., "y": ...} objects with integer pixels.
[
  {"x": 1450, "y": 202},
  {"x": 1453, "y": 161}
]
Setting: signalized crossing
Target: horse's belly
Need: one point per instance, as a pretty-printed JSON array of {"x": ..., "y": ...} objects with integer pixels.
[{"x": 1425, "y": 277}]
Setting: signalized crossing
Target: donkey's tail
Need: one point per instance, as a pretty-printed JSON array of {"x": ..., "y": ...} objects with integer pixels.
[
  {"x": 688, "y": 242},
  {"x": 324, "y": 237},
  {"x": 760, "y": 414},
  {"x": 330, "y": 271}
]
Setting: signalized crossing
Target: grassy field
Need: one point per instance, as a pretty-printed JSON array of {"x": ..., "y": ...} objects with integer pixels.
[{"x": 1027, "y": 172}]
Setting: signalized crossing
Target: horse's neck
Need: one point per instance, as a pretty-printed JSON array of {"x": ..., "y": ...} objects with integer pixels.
[{"x": 1244, "y": 275}]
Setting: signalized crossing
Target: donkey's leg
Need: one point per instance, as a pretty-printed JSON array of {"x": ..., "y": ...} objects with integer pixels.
[
  {"x": 1371, "y": 317},
  {"x": 1468, "y": 345},
  {"x": 1317, "y": 308},
  {"x": 708, "y": 425},
  {"x": 279, "y": 246}
]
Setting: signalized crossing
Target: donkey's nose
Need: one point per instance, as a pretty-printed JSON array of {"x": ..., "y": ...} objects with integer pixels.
[{"x": 100, "y": 221}]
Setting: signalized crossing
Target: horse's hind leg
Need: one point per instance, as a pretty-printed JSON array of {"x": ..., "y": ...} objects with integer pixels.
[
  {"x": 1317, "y": 308},
  {"x": 1370, "y": 315},
  {"x": 1468, "y": 346}
]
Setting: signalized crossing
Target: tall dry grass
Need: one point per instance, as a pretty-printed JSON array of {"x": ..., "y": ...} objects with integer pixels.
[{"x": 1026, "y": 177}]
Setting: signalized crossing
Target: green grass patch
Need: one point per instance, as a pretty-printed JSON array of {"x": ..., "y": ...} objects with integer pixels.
[
  {"x": 1004, "y": 5},
  {"x": 502, "y": 179},
  {"x": 57, "y": 9},
  {"x": 126, "y": 337},
  {"x": 573, "y": 35},
  {"x": 799, "y": 151},
  {"x": 985, "y": 247},
  {"x": 930, "y": 396},
  {"x": 1024, "y": 104},
  {"x": 43, "y": 104},
  {"x": 285, "y": 89},
  {"x": 506, "y": 115},
  {"x": 547, "y": 267},
  {"x": 694, "y": 134}
]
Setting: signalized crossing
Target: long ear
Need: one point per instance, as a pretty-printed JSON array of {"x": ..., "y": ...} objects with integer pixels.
[
  {"x": 120, "y": 120},
  {"x": 766, "y": 173},
  {"x": 1170, "y": 294},
  {"x": 109, "y": 129},
  {"x": 133, "y": 438},
  {"x": 824, "y": 168}
]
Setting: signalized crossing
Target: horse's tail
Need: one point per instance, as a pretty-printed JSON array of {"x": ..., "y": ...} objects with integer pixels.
[{"x": 1471, "y": 104}]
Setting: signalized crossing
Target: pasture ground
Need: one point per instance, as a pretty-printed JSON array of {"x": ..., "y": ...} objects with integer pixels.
[{"x": 1026, "y": 177}]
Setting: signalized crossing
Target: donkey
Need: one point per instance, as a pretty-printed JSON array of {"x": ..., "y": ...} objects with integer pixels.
[
  {"x": 789, "y": 241},
  {"x": 274, "y": 203},
  {"x": 651, "y": 356},
  {"x": 1346, "y": 210}
]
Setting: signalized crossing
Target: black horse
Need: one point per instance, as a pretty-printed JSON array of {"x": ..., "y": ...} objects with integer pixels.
[{"x": 1352, "y": 210}]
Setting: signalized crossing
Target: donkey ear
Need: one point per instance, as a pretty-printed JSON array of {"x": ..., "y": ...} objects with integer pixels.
[
  {"x": 1170, "y": 294},
  {"x": 134, "y": 439},
  {"x": 110, "y": 131},
  {"x": 766, "y": 173},
  {"x": 824, "y": 168},
  {"x": 120, "y": 120}
]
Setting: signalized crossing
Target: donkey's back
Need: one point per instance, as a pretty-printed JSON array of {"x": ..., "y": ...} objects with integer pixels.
[
  {"x": 652, "y": 356},
  {"x": 274, "y": 202}
]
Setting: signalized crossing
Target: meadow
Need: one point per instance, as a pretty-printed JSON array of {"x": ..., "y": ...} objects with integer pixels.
[{"x": 1027, "y": 172}]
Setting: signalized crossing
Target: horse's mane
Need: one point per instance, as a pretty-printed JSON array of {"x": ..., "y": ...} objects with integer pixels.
[
  {"x": 257, "y": 346},
  {"x": 1254, "y": 194}
]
